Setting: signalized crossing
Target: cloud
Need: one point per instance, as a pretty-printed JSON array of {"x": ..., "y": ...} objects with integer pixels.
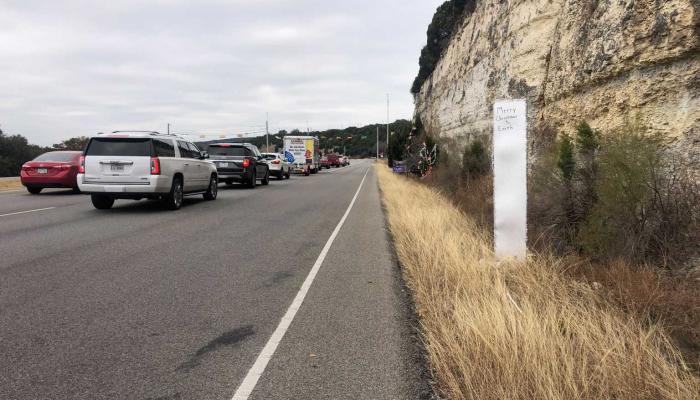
[{"x": 79, "y": 67}]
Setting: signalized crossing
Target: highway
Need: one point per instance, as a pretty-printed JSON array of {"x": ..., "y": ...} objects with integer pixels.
[{"x": 139, "y": 302}]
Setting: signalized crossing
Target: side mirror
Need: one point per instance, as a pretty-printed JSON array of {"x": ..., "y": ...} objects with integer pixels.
[{"x": 203, "y": 155}]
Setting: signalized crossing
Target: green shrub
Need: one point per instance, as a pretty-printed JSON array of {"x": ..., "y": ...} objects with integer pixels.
[
  {"x": 565, "y": 158},
  {"x": 647, "y": 198},
  {"x": 476, "y": 159},
  {"x": 587, "y": 140}
]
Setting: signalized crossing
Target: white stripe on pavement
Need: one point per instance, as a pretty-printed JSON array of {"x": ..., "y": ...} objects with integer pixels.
[
  {"x": 251, "y": 379},
  {"x": 26, "y": 212}
]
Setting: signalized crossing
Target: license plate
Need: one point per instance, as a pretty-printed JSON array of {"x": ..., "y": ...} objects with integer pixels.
[
  {"x": 117, "y": 168},
  {"x": 42, "y": 170},
  {"x": 223, "y": 164}
]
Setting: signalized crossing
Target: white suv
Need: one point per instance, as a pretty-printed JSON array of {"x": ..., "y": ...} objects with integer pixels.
[
  {"x": 279, "y": 167},
  {"x": 138, "y": 165}
]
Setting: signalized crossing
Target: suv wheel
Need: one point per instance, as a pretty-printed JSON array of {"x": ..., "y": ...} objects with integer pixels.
[
  {"x": 266, "y": 179},
  {"x": 102, "y": 202},
  {"x": 174, "y": 199},
  {"x": 213, "y": 189},
  {"x": 253, "y": 180},
  {"x": 33, "y": 189}
]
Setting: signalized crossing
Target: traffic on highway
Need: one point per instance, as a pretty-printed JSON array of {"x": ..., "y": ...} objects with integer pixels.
[{"x": 138, "y": 165}]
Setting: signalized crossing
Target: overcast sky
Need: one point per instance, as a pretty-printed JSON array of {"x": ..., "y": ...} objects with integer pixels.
[{"x": 73, "y": 68}]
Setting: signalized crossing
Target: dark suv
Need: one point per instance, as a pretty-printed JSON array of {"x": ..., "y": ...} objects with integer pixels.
[{"x": 239, "y": 162}]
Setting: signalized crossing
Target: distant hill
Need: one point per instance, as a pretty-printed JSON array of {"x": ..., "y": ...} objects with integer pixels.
[{"x": 358, "y": 142}]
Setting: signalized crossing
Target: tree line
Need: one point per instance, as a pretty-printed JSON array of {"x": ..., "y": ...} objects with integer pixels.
[
  {"x": 352, "y": 141},
  {"x": 445, "y": 22}
]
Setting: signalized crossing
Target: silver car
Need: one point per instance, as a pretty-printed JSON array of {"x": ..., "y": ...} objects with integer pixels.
[
  {"x": 138, "y": 165},
  {"x": 279, "y": 166}
]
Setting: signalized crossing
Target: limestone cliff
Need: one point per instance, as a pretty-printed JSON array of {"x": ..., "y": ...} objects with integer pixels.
[{"x": 601, "y": 61}]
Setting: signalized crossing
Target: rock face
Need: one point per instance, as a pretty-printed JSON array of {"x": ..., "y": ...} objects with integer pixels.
[{"x": 603, "y": 61}]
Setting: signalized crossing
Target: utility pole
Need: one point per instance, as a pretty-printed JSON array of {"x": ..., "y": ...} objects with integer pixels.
[
  {"x": 267, "y": 132},
  {"x": 387, "y": 123},
  {"x": 168, "y": 128},
  {"x": 377, "y": 142}
]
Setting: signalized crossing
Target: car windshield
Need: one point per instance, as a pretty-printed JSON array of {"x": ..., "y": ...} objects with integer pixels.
[
  {"x": 56, "y": 156},
  {"x": 228, "y": 151},
  {"x": 119, "y": 147},
  {"x": 270, "y": 156}
]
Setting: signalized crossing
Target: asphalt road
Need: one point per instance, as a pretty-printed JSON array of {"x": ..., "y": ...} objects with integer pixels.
[{"x": 142, "y": 303}]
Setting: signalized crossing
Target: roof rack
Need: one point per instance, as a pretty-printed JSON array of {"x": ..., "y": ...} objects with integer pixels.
[
  {"x": 149, "y": 132},
  {"x": 152, "y": 133}
]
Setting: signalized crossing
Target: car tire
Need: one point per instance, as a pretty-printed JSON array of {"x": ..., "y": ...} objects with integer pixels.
[
  {"x": 266, "y": 180},
  {"x": 213, "y": 189},
  {"x": 174, "y": 199},
  {"x": 253, "y": 180},
  {"x": 102, "y": 202},
  {"x": 280, "y": 176},
  {"x": 289, "y": 174},
  {"x": 34, "y": 189}
]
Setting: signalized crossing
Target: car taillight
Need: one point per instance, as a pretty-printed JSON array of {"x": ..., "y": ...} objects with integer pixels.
[
  {"x": 276, "y": 162},
  {"x": 246, "y": 163},
  {"x": 155, "y": 166},
  {"x": 81, "y": 165}
]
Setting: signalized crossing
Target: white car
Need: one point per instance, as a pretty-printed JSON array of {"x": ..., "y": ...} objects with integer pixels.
[
  {"x": 279, "y": 167},
  {"x": 138, "y": 165}
]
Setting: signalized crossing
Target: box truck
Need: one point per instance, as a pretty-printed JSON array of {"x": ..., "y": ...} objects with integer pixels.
[{"x": 302, "y": 152}]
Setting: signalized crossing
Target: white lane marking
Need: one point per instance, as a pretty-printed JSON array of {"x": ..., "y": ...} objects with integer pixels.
[
  {"x": 345, "y": 168},
  {"x": 26, "y": 212},
  {"x": 251, "y": 379}
]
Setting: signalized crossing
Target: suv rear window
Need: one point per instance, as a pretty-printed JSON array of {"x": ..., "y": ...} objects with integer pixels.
[
  {"x": 119, "y": 147},
  {"x": 55, "y": 156},
  {"x": 270, "y": 156},
  {"x": 228, "y": 151},
  {"x": 164, "y": 147}
]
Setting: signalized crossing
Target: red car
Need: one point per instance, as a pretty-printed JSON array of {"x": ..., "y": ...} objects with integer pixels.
[
  {"x": 325, "y": 163},
  {"x": 333, "y": 160},
  {"x": 55, "y": 169}
]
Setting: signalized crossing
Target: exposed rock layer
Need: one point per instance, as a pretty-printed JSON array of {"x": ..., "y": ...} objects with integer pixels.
[{"x": 602, "y": 61}]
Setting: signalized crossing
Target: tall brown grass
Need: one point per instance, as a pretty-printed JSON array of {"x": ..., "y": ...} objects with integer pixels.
[
  {"x": 10, "y": 184},
  {"x": 518, "y": 330}
]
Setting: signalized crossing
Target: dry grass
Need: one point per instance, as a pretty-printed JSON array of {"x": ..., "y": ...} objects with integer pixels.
[
  {"x": 10, "y": 184},
  {"x": 652, "y": 296},
  {"x": 518, "y": 330}
]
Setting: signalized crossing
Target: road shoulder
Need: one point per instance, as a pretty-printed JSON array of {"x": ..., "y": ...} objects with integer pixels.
[{"x": 354, "y": 336}]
